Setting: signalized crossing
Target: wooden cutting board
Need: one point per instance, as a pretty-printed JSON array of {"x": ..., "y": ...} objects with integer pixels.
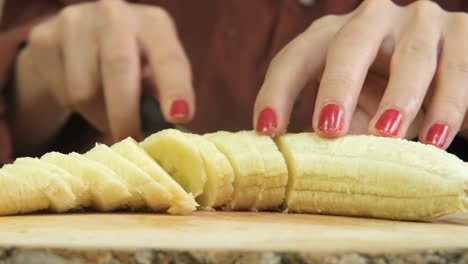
[{"x": 229, "y": 231}]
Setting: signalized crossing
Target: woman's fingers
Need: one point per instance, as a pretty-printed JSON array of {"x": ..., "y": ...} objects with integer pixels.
[
  {"x": 170, "y": 68},
  {"x": 81, "y": 66},
  {"x": 44, "y": 46},
  {"x": 120, "y": 69},
  {"x": 349, "y": 57},
  {"x": 289, "y": 72},
  {"x": 412, "y": 68},
  {"x": 449, "y": 102}
]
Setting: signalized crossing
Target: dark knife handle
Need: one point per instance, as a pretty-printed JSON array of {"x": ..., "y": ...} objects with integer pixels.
[{"x": 152, "y": 119}]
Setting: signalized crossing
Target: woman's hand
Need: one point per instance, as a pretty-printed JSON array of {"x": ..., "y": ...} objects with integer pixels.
[
  {"x": 90, "y": 59},
  {"x": 383, "y": 69}
]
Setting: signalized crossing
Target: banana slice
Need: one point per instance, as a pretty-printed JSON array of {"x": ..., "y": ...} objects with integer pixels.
[
  {"x": 18, "y": 196},
  {"x": 220, "y": 175},
  {"x": 179, "y": 157},
  {"x": 144, "y": 190},
  {"x": 373, "y": 177},
  {"x": 179, "y": 201},
  {"x": 108, "y": 191},
  {"x": 275, "y": 176},
  {"x": 247, "y": 165},
  {"x": 78, "y": 187},
  {"x": 36, "y": 179}
]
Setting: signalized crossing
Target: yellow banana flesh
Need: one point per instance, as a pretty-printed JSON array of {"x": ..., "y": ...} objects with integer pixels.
[
  {"x": 247, "y": 164},
  {"x": 78, "y": 187},
  {"x": 372, "y": 176},
  {"x": 178, "y": 202},
  {"x": 20, "y": 195},
  {"x": 275, "y": 176},
  {"x": 220, "y": 175},
  {"x": 107, "y": 190},
  {"x": 38, "y": 180},
  {"x": 362, "y": 176},
  {"x": 145, "y": 191},
  {"x": 179, "y": 157}
]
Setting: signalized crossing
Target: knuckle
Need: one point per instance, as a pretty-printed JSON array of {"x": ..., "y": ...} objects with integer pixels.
[
  {"x": 459, "y": 66},
  {"x": 369, "y": 6},
  {"x": 419, "y": 48},
  {"x": 339, "y": 80},
  {"x": 158, "y": 14},
  {"x": 40, "y": 37},
  {"x": 117, "y": 60},
  {"x": 112, "y": 9},
  {"x": 349, "y": 36},
  {"x": 70, "y": 16},
  {"x": 453, "y": 105},
  {"x": 80, "y": 97},
  {"x": 459, "y": 20},
  {"x": 173, "y": 58},
  {"x": 425, "y": 8},
  {"x": 322, "y": 23}
]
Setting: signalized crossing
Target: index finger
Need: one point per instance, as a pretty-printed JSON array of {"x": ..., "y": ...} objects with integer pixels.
[
  {"x": 120, "y": 70},
  {"x": 170, "y": 67}
]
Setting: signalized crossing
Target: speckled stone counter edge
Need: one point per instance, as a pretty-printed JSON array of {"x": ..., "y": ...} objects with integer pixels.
[{"x": 58, "y": 256}]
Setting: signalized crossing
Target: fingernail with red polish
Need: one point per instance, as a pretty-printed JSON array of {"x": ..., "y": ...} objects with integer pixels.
[
  {"x": 331, "y": 118},
  {"x": 389, "y": 122},
  {"x": 179, "y": 108},
  {"x": 437, "y": 135},
  {"x": 266, "y": 121}
]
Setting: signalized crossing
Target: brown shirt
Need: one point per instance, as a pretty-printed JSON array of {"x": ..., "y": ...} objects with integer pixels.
[{"x": 229, "y": 43}]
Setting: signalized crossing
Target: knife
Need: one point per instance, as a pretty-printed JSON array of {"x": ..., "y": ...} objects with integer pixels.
[{"x": 152, "y": 119}]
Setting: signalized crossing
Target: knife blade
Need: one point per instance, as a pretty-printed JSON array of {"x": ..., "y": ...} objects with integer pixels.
[{"x": 152, "y": 119}]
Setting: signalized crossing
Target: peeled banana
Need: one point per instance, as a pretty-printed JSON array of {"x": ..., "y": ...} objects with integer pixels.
[
  {"x": 372, "y": 176},
  {"x": 177, "y": 172}
]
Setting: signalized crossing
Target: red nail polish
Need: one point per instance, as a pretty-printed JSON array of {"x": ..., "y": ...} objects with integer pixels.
[
  {"x": 331, "y": 118},
  {"x": 179, "y": 108},
  {"x": 266, "y": 121},
  {"x": 437, "y": 135},
  {"x": 389, "y": 122}
]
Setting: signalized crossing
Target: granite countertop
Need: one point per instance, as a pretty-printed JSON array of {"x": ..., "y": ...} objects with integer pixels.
[{"x": 59, "y": 256}]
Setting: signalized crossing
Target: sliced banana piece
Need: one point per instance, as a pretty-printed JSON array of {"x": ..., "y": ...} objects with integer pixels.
[
  {"x": 220, "y": 175},
  {"x": 37, "y": 179},
  {"x": 373, "y": 177},
  {"x": 247, "y": 165},
  {"x": 178, "y": 202},
  {"x": 19, "y": 196},
  {"x": 145, "y": 191},
  {"x": 275, "y": 176},
  {"x": 108, "y": 191},
  {"x": 179, "y": 156},
  {"x": 79, "y": 188}
]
